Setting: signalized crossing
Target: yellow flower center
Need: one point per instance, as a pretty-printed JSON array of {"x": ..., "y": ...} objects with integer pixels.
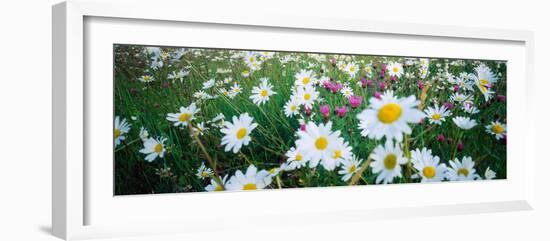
[
  {"x": 298, "y": 157},
  {"x": 352, "y": 69},
  {"x": 497, "y": 129},
  {"x": 204, "y": 174},
  {"x": 390, "y": 161},
  {"x": 251, "y": 59},
  {"x": 293, "y": 108},
  {"x": 263, "y": 93},
  {"x": 429, "y": 172},
  {"x": 158, "y": 148},
  {"x": 218, "y": 188},
  {"x": 352, "y": 169},
  {"x": 389, "y": 113},
  {"x": 463, "y": 172},
  {"x": 337, "y": 154},
  {"x": 117, "y": 133},
  {"x": 306, "y": 80},
  {"x": 241, "y": 133},
  {"x": 307, "y": 96},
  {"x": 395, "y": 69},
  {"x": 185, "y": 117},
  {"x": 436, "y": 116},
  {"x": 250, "y": 186},
  {"x": 321, "y": 143},
  {"x": 146, "y": 78},
  {"x": 245, "y": 72},
  {"x": 484, "y": 82}
]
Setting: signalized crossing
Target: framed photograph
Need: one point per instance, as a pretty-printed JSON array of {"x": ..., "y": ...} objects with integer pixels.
[{"x": 167, "y": 122}]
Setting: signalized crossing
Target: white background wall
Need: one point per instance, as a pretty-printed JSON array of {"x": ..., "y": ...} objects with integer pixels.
[{"x": 25, "y": 119}]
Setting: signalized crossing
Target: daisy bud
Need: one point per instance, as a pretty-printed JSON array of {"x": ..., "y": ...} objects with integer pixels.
[
  {"x": 501, "y": 98},
  {"x": 325, "y": 111},
  {"x": 303, "y": 127},
  {"x": 382, "y": 86},
  {"x": 440, "y": 138},
  {"x": 335, "y": 87},
  {"x": 393, "y": 78},
  {"x": 355, "y": 101},
  {"x": 333, "y": 61},
  {"x": 456, "y": 88},
  {"x": 460, "y": 146},
  {"x": 308, "y": 111},
  {"x": 327, "y": 84},
  {"x": 363, "y": 83},
  {"x": 370, "y": 83},
  {"x": 420, "y": 85},
  {"x": 341, "y": 112},
  {"x": 377, "y": 95},
  {"x": 449, "y": 105}
]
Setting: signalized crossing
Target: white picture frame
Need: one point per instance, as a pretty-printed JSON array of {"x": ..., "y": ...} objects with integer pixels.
[{"x": 72, "y": 192}]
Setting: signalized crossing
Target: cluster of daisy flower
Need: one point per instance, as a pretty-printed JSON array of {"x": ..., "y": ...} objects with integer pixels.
[{"x": 365, "y": 119}]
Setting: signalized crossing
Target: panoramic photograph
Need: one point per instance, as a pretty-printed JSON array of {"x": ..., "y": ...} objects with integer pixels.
[{"x": 189, "y": 119}]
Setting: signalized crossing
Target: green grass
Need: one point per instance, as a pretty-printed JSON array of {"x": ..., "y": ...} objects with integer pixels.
[{"x": 149, "y": 103}]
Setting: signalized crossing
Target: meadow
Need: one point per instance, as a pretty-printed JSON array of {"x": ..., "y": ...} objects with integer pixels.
[{"x": 194, "y": 120}]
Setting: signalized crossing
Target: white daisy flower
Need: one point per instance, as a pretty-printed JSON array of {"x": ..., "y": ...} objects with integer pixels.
[
  {"x": 307, "y": 95},
  {"x": 395, "y": 69},
  {"x": 143, "y": 134},
  {"x": 199, "y": 129},
  {"x": 368, "y": 70},
  {"x": 203, "y": 171},
  {"x": 346, "y": 91},
  {"x": 424, "y": 62},
  {"x": 201, "y": 95},
  {"x": 146, "y": 78},
  {"x": 185, "y": 116},
  {"x": 238, "y": 132},
  {"x": 469, "y": 107},
  {"x": 261, "y": 94},
  {"x": 121, "y": 128},
  {"x": 251, "y": 180},
  {"x": 457, "y": 97},
  {"x": 304, "y": 78},
  {"x": 245, "y": 73},
  {"x": 387, "y": 162},
  {"x": 235, "y": 90},
  {"x": 295, "y": 159},
  {"x": 484, "y": 79},
  {"x": 318, "y": 142},
  {"x": 464, "y": 123},
  {"x": 178, "y": 75},
  {"x": 389, "y": 116},
  {"x": 214, "y": 186},
  {"x": 153, "y": 148},
  {"x": 351, "y": 69},
  {"x": 497, "y": 129},
  {"x": 437, "y": 114},
  {"x": 250, "y": 58},
  {"x": 423, "y": 72},
  {"x": 428, "y": 166},
  {"x": 292, "y": 107},
  {"x": 208, "y": 84},
  {"x": 218, "y": 120},
  {"x": 349, "y": 168},
  {"x": 490, "y": 174},
  {"x": 461, "y": 171}
]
